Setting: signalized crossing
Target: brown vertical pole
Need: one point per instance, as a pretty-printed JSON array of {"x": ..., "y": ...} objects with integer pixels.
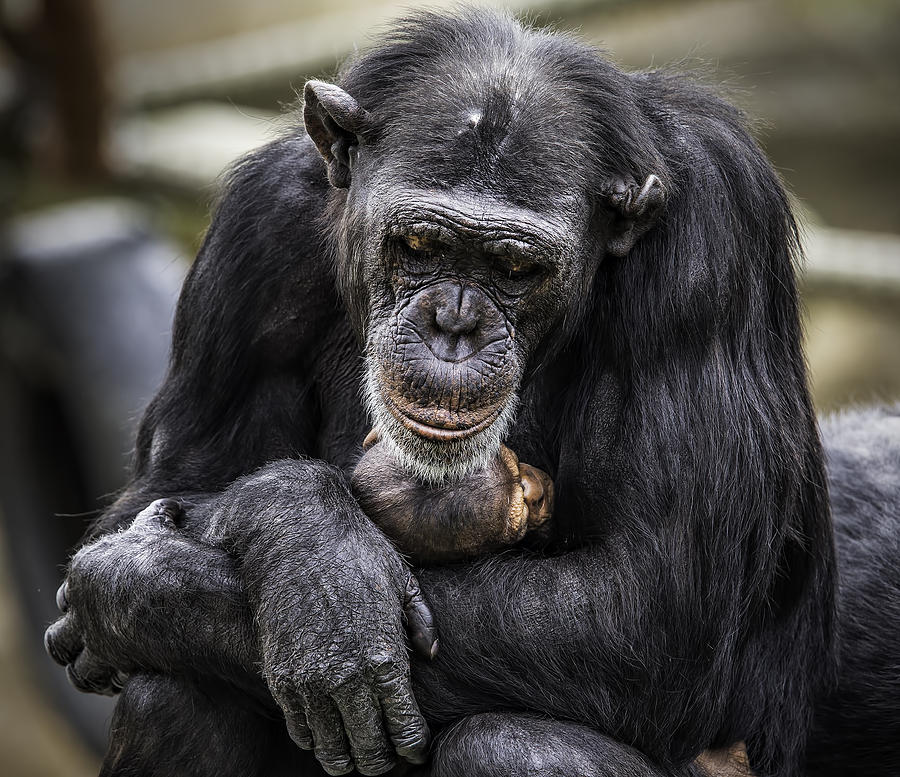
[{"x": 77, "y": 77}]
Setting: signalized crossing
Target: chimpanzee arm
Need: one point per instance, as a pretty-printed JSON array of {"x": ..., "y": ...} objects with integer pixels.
[
  {"x": 568, "y": 637},
  {"x": 258, "y": 316},
  {"x": 686, "y": 619},
  {"x": 195, "y": 438},
  {"x": 594, "y": 635}
]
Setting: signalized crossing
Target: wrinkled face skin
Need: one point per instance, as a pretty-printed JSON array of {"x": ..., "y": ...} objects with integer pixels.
[{"x": 461, "y": 288}]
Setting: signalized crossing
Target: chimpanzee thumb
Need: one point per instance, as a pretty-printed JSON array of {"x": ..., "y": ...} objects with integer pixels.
[{"x": 419, "y": 620}]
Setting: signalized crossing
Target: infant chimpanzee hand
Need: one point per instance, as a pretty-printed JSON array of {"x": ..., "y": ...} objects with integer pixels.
[{"x": 489, "y": 509}]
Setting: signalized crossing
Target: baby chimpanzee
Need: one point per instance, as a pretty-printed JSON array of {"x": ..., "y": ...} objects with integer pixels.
[{"x": 490, "y": 509}]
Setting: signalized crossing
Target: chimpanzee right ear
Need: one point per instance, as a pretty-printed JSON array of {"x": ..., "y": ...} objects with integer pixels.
[{"x": 335, "y": 122}]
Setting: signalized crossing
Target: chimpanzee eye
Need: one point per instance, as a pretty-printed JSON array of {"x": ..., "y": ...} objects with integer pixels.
[
  {"x": 518, "y": 269},
  {"x": 418, "y": 244}
]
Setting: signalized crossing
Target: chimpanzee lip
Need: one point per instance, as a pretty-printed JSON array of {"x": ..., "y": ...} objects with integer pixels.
[{"x": 429, "y": 431}]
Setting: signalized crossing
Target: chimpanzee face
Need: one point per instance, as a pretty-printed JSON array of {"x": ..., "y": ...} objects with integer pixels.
[
  {"x": 461, "y": 289},
  {"x": 455, "y": 264}
]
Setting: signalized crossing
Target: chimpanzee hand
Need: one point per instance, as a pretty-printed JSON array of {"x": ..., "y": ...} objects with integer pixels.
[
  {"x": 65, "y": 639},
  {"x": 331, "y": 595},
  {"x": 149, "y": 598},
  {"x": 64, "y": 642}
]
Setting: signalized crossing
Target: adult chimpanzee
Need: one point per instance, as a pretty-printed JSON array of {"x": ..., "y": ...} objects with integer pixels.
[{"x": 503, "y": 237}]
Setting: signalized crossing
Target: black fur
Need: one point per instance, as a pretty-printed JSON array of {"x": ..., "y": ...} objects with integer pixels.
[
  {"x": 687, "y": 599},
  {"x": 857, "y": 726}
]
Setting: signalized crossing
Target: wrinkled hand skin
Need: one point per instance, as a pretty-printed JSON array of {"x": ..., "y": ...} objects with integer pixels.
[
  {"x": 118, "y": 619},
  {"x": 488, "y": 510},
  {"x": 331, "y": 601}
]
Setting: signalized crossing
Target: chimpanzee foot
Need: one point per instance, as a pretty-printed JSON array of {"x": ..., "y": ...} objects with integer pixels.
[{"x": 537, "y": 491}]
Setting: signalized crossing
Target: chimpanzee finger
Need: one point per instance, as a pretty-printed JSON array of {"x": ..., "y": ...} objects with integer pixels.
[
  {"x": 298, "y": 729},
  {"x": 419, "y": 620},
  {"x": 406, "y": 727},
  {"x": 62, "y": 597},
  {"x": 62, "y": 640},
  {"x": 90, "y": 675},
  {"x": 361, "y": 713},
  {"x": 329, "y": 743},
  {"x": 159, "y": 514},
  {"x": 372, "y": 438}
]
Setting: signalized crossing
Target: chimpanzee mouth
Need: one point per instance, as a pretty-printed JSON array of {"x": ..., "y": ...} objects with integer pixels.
[
  {"x": 437, "y": 443},
  {"x": 439, "y": 425}
]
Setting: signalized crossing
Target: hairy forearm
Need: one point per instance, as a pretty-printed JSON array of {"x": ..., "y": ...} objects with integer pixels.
[
  {"x": 207, "y": 581},
  {"x": 566, "y": 637},
  {"x": 508, "y": 632}
]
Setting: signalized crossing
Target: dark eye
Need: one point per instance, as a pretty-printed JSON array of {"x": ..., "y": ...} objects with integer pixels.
[{"x": 518, "y": 269}]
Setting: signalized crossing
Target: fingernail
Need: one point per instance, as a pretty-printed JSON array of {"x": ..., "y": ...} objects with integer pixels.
[{"x": 434, "y": 649}]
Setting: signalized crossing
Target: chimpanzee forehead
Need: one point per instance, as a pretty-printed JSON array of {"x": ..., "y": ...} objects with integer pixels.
[
  {"x": 490, "y": 128},
  {"x": 472, "y": 216}
]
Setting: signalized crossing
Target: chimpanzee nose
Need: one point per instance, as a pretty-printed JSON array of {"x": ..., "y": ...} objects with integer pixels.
[
  {"x": 456, "y": 316},
  {"x": 455, "y": 320}
]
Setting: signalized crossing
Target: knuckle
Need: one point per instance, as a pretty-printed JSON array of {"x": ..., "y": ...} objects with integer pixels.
[
  {"x": 389, "y": 671},
  {"x": 83, "y": 684},
  {"x": 161, "y": 513},
  {"x": 386, "y": 660},
  {"x": 117, "y": 681},
  {"x": 284, "y": 688},
  {"x": 95, "y": 676},
  {"x": 375, "y": 763},
  {"x": 299, "y": 731},
  {"x": 330, "y": 678},
  {"x": 334, "y": 759},
  {"x": 59, "y": 645},
  {"x": 413, "y": 739}
]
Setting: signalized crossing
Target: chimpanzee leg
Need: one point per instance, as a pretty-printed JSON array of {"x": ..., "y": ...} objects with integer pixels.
[
  {"x": 501, "y": 745},
  {"x": 164, "y": 726}
]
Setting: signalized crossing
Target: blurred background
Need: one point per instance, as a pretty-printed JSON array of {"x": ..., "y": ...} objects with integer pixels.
[{"x": 117, "y": 116}]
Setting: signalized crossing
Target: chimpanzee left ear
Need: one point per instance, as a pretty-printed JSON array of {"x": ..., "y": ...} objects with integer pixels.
[
  {"x": 635, "y": 208},
  {"x": 335, "y": 122}
]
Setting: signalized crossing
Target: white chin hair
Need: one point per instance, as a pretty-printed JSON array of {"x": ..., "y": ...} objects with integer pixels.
[{"x": 437, "y": 462}]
